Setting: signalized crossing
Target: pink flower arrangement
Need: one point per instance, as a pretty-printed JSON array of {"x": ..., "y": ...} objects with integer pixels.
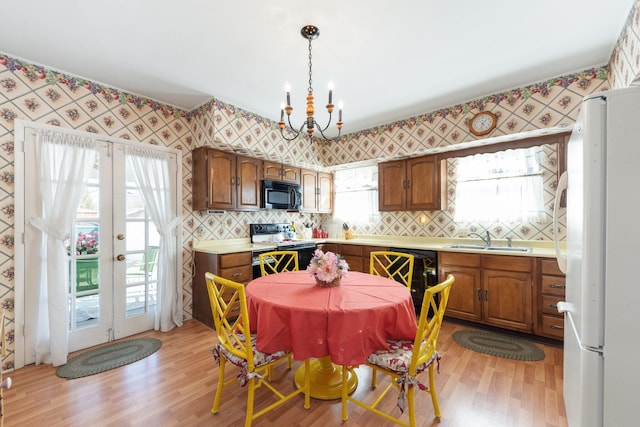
[
  {"x": 327, "y": 266},
  {"x": 87, "y": 243}
]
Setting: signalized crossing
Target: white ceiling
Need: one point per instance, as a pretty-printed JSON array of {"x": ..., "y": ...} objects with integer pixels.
[{"x": 389, "y": 60}]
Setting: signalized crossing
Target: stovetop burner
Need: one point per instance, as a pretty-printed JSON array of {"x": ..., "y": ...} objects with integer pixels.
[{"x": 278, "y": 233}]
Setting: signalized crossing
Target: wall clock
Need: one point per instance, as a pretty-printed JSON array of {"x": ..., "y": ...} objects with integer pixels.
[{"x": 482, "y": 123}]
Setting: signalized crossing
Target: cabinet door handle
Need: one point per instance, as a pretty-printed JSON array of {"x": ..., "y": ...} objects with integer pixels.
[
  {"x": 555, "y": 327},
  {"x": 486, "y": 295},
  {"x": 233, "y": 180},
  {"x": 553, "y": 305},
  {"x": 234, "y": 275},
  {"x": 554, "y": 286},
  {"x": 237, "y": 181},
  {"x": 479, "y": 295},
  {"x": 408, "y": 183}
]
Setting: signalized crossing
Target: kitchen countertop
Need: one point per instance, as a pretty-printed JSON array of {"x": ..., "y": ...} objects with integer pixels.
[{"x": 543, "y": 249}]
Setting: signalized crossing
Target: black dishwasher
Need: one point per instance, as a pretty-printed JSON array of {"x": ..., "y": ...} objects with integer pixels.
[{"x": 425, "y": 273}]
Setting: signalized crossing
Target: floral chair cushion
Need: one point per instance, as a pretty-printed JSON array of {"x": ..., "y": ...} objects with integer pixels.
[
  {"x": 259, "y": 358},
  {"x": 398, "y": 357}
]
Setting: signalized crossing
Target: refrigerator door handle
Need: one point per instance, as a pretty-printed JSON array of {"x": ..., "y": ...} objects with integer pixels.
[
  {"x": 562, "y": 186},
  {"x": 567, "y": 308}
]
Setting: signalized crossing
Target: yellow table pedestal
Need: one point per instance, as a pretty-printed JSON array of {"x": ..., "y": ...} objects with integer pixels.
[{"x": 326, "y": 379}]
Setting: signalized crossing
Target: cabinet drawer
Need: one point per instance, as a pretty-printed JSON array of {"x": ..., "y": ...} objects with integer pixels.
[
  {"x": 550, "y": 266},
  {"x": 355, "y": 263},
  {"x": 553, "y": 326},
  {"x": 235, "y": 260},
  {"x": 328, "y": 247},
  {"x": 553, "y": 285},
  {"x": 242, "y": 274},
  {"x": 505, "y": 262},
  {"x": 550, "y": 304},
  {"x": 355, "y": 250},
  {"x": 466, "y": 260}
]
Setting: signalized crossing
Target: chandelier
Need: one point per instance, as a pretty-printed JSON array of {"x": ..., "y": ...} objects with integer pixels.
[{"x": 310, "y": 33}]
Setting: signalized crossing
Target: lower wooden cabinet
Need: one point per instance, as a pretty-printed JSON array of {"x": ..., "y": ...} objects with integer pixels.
[
  {"x": 353, "y": 255},
  {"x": 492, "y": 289},
  {"x": 465, "y": 298},
  {"x": 357, "y": 256},
  {"x": 551, "y": 290},
  {"x": 233, "y": 266}
]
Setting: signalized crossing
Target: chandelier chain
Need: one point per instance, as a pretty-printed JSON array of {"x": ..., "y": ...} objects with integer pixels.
[{"x": 310, "y": 81}]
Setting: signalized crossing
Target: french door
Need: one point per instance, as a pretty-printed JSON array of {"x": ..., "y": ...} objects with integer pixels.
[{"x": 113, "y": 252}]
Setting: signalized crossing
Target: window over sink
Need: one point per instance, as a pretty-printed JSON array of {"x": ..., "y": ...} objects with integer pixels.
[
  {"x": 356, "y": 195},
  {"x": 505, "y": 186}
]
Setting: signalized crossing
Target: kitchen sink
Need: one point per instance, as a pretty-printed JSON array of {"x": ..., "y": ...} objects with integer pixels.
[
  {"x": 489, "y": 248},
  {"x": 508, "y": 249},
  {"x": 458, "y": 246}
]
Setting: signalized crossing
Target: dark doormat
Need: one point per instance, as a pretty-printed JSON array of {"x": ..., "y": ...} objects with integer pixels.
[
  {"x": 499, "y": 345},
  {"x": 108, "y": 357}
]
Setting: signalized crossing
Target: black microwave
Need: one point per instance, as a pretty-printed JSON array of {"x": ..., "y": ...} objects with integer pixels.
[{"x": 281, "y": 195}]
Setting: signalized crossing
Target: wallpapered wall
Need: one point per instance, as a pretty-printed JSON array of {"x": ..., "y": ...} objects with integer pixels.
[{"x": 32, "y": 92}]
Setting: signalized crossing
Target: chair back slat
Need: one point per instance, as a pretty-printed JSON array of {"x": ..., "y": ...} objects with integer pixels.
[
  {"x": 230, "y": 316},
  {"x": 436, "y": 299},
  {"x": 394, "y": 265},
  {"x": 278, "y": 262}
]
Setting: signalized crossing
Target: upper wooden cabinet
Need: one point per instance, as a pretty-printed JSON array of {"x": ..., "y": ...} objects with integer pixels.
[
  {"x": 317, "y": 191},
  {"x": 409, "y": 185},
  {"x": 226, "y": 181},
  {"x": 280, "y": 172}
]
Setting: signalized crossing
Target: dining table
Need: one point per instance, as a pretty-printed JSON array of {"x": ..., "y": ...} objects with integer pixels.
[{"x": 337, "y": 326}]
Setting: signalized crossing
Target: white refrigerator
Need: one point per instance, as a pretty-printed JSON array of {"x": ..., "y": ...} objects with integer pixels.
[{"x": 602, "y": 263}]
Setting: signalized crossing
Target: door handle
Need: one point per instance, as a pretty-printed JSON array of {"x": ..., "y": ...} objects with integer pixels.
[
  {"x": 120, "y": 257},
  {"x": 486, "y": 295},
  {"x": 120, "y": 236}
]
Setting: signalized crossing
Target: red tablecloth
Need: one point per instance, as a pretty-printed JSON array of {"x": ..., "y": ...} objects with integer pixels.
[{"x": 348, "y": 322}]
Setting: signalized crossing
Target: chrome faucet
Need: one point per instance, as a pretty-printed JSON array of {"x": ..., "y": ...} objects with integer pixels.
[{"x": 487, "y": 240}]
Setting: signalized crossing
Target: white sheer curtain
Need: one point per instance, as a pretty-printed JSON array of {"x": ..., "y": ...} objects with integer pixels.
[
  {"x": 356, "y": 197},
  {"x": 500, "y": 187},
  {"x": 64, "y": 163},
  {"x": 151, "y": 170}
]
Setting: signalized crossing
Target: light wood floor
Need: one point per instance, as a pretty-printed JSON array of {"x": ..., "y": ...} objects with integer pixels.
[{"x": 175, "y": 387}]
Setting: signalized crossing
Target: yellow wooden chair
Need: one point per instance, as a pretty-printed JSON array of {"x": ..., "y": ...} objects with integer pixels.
[
  {"x": 237, "y": 345},
  {"x": 278, "y": 262},
  {"x": 394, "y": 265},
  {"x": 406, "y": 359}
]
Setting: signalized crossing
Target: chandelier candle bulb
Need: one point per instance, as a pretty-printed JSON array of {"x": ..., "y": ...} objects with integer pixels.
[{"x": 287, "y": 89}]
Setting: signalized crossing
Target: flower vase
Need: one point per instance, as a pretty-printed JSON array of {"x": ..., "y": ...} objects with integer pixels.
[{"x": 335, "y": 282}]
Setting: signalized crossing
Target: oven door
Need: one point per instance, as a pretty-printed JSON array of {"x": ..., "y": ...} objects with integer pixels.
[{"x": 305, "y": 253}]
